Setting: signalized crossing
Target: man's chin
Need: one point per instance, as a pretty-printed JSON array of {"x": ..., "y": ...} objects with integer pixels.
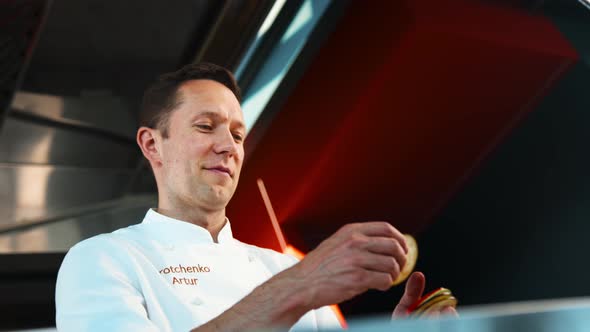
[{"x": 218, "y": 197}]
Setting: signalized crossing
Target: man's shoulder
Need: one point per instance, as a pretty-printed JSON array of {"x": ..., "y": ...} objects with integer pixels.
[
  {"x": 263, "y": 251},
  {"x": 269, "y": 256},
  {"x": 95, "y": 261},
  {"x": 114, "y": 240}
]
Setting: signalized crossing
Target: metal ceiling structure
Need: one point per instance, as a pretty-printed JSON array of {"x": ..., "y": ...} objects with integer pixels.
[
  {"x": 72, "y": 75},
  {"x": 71, "y": 123}
]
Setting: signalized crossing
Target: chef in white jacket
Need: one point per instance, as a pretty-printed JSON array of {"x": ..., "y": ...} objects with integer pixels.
[{"x": 181, "y": 269}]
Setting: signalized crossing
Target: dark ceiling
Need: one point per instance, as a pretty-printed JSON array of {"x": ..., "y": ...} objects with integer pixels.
[
  {"x": 89, "y": 56},
  {"x": 116, "y": 48}
]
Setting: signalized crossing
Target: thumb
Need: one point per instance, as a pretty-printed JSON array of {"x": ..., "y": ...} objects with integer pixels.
[{"x": 413, "y": 292}]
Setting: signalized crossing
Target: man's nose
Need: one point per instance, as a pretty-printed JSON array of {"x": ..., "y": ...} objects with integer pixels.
[{"x": 225, "y": 143}]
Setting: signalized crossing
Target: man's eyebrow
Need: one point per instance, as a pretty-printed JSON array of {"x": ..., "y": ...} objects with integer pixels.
[{"x": 209, "y": 114}]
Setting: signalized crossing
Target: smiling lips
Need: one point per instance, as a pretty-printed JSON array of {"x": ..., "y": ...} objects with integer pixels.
[{"x": 220, "y": 169}]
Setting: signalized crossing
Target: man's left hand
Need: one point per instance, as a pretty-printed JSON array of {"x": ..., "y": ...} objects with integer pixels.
[{"x": 414, "y": 289}]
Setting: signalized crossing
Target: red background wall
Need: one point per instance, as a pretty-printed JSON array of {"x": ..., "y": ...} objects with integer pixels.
[{"x": 396, "y": 112}]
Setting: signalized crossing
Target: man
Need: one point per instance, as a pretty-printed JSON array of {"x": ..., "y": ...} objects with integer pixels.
[{"x": 181, "y": 268}]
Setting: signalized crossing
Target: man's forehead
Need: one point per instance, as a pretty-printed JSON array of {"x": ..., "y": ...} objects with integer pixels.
[
  {"x": 210, "y": 96},
  {"x": 200, "y": 101},
  {"x": 206, "y": 87}
]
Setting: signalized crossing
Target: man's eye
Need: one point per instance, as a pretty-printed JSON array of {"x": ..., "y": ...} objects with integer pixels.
[
  {"x": 204, "y": 127},
  {"x": 238, "y": 137}
]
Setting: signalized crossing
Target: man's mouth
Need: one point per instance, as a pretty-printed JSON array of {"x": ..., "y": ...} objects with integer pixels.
[{"x": 221, "y": 170}]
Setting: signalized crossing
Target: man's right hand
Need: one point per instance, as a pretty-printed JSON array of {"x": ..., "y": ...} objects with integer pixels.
[{"x": 356, "y": 258}]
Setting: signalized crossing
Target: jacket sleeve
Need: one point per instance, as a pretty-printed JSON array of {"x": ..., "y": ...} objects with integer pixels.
[
  {"x": 96, "y": 290},
  {"x": 326, "y": 318}
]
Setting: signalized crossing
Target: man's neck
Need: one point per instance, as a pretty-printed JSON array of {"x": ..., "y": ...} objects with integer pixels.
[{"x": 213, "y": 221}]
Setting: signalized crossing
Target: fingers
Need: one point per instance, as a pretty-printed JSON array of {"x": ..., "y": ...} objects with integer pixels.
[
  {"x": 383, "y": 253},
  {"x": 381, "y": 263},
  {"x": 379, "y": 280},
  {"x": 433, "y": 315},
  {"x": 441, "y": 313},
  {"x": 413, "y": 292},
  {"x": 387, "y": 246},
  {"x": 450, "y": 311},
  {"x": 414, "y": 289},
  {"x": 378, "y": 229},
  {"x": 358, "y": 257}
]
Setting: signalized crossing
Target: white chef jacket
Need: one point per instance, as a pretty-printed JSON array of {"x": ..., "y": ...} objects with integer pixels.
[{"x": 163, "y": 275}]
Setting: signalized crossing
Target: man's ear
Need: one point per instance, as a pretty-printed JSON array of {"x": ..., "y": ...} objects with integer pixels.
[{"x": 148, "y": 141}]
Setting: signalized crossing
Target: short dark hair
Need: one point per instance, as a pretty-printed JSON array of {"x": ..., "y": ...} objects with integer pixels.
[{"x": 162, "y": 97}]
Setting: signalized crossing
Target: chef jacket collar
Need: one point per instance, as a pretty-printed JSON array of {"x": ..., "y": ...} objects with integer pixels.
[{"x": 174, "y": 230}]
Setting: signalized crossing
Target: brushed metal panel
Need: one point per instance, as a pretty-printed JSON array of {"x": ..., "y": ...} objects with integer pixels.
[
  {"x": 36, "y": 191},
  {"x": 107, "y": 112},
  {"x": 60, "y": 236},
  {"x": 21, "y": 23},
  {"x": 27, "y": 142}
]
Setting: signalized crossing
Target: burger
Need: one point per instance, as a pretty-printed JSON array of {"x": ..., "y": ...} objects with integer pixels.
[{"x": 431, "y": 302}]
